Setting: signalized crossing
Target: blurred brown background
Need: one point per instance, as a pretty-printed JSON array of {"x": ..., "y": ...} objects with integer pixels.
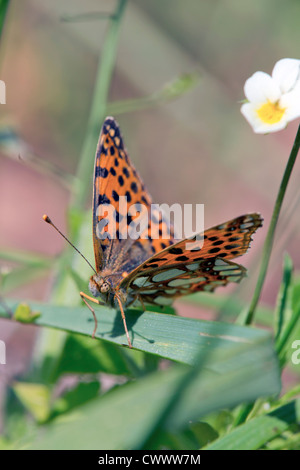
[{"x": 196, "y": 149}]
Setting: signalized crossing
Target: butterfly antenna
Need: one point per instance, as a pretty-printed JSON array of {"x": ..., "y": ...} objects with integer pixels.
[
  {"x": 49, "y": 221},
  {"x": 124, "y": 320}
]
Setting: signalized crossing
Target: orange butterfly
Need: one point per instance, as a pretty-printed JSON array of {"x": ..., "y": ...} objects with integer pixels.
[{"x": 146, "y": 270}]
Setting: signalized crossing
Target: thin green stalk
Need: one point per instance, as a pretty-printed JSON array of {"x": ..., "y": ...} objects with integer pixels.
[
  {"x": 170, "y": 91},
  {"x": 283, "y": 296},
  {"x": 243, "y": 413},
  {"x": 289, "y": 329},
  {"x": 53, "y": 341},
  {"x": 82, "y": 187},
  {"x": 246, "y": 409},
  {"x": 3, "y": 11},
  {"x": 271, "y": 232}
]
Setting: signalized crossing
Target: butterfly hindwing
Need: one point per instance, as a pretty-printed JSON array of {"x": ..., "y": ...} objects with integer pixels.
[
  {"x": 184, "y": 267},
  {"x": 164, "y": 286}
]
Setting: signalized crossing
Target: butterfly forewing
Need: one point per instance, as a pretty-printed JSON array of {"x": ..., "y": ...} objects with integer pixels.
[{"x": 115, "y": 178}]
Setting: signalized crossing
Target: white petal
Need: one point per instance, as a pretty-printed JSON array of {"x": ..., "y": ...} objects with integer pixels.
[
  {"x": 249, "y": 112},
  {"x": 286, "y": 73},
  {"x": 261, "y": 88},
  {"x": 291, "y": 101}
]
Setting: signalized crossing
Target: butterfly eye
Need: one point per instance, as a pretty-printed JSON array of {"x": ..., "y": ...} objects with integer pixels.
[{"x": 105, "y": 287}]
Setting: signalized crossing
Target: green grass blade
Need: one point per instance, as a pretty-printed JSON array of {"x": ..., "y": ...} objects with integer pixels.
[
  {"x": 286, "y": 335},
  {"x": 82, "y": 355},
  {"x": 244, "y": 373},
  {"x": 258, "y": 431},
  {"x": 169, "y": 336},
  {"x": 282, "y": 301},
  {"x": 25, "y": 257}
]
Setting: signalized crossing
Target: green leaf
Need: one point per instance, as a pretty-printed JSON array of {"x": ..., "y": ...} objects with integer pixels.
[
  {"x": 35, "y": 398},
  {"x": 204, "y": 433},
  {"x": 289, "y": 329},
  {"x": 169, "y": 336},
  {"x": 221, "y": 420},
  {"x": 291, "y": 393},
  {"x": 5, "y": 444},
  {"x": 295, "y": 295},
  {"x": 258, "y": 431},
  {"x": 83, "y": 393},
  {"x": 242, "y": 374},
  {"x": 291, "y": 332},
  {"x": 286, "y": 443},
  {"x": 85, "y": 355},
  {"x": 24, "y": 314},
  {"x": 14, "y": 278},
  {"x": 183, "y": 440},
  {"x": 26, "y": 257}
]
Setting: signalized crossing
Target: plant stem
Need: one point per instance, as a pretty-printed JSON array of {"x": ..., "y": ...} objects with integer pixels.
[
  {"x": 52, "y": 341},
  {"x": 3, "y": 11},
  {"x": 83, "y": 186},
  {"x": 271, "y": 232},
  {"x": 289, "y": 330}
]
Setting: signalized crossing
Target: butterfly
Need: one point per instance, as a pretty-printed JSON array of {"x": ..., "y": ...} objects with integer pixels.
[{"x": 148, "y": 270}]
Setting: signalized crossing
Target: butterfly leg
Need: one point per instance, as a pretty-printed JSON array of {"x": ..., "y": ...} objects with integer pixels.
[
  {"x": 124, "y": 320},
  {"x": 84, "y": 297},
  {"x": 141, "y": 302},
  {"x": 139, "y": 298}
]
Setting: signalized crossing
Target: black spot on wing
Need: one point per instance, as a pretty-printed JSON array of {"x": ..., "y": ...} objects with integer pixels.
[
  {"x": 103, "y": 199},
  {"x": 126, "y": 172},
  {"x": 99, "y": 171},
  {"x": 134, "y": 187},
  {"x": 175, "y": 251},
  {"x": 128, "y": 195},
  {"x": 115, "y": 195}
]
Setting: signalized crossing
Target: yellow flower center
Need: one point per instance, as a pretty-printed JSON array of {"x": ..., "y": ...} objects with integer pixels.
[{"x": 270, "y": 113}]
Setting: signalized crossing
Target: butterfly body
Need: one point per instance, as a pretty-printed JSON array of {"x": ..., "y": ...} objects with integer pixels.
[
  {"x": 106, "y": 288},
  {"x": 146, "y": 269}
]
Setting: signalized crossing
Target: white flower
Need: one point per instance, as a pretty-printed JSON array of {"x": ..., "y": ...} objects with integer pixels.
[{"x": 273, "y": 101}]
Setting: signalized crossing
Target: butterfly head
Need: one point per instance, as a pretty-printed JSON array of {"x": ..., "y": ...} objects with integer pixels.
[{"x": 99, "y": 285}]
